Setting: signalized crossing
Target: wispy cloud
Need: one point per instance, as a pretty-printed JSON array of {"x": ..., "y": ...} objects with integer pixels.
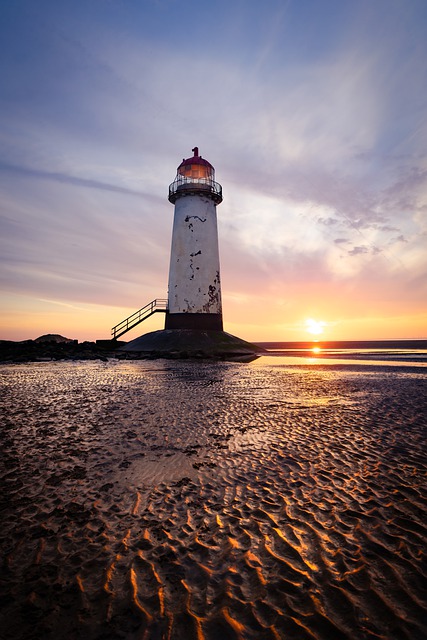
[{"x": 67, "y": 179}]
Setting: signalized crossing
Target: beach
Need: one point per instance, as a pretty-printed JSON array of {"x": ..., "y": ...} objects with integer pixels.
[{"x": 213, "y": 500}]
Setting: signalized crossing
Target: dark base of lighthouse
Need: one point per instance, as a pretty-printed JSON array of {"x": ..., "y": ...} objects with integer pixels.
[
  {"x": 194, "y": 321},
  {"x": 191, "y": 343}
]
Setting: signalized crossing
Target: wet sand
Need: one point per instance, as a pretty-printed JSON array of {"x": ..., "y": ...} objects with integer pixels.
[{"x": 181, "y": 500}]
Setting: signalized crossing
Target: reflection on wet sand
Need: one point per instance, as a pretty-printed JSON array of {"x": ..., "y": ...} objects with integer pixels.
[{"x": 212, "y": 500}]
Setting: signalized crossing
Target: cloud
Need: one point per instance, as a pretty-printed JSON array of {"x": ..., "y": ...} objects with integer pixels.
[
  {"x": 82, "y": 244},
  {"x": 400, "y": 238},
  {"x": 67, "y": 179},
  {"x": 329, "y": 222},
  {"x": 363, "y": 250}
]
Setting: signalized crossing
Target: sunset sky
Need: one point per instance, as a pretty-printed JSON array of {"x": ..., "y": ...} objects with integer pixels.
[{"x": 313, "y": 113}]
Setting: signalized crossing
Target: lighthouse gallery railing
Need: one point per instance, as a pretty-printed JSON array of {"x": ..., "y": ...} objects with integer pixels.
[
  {"x": 185, "y": 185},
  {"x": 137, "y": 317}
]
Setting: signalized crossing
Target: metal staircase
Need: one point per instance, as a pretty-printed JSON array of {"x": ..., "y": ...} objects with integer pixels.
[{"x": 158, "y": 305}]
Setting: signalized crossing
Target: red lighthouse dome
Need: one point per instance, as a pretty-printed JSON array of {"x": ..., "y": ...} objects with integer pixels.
[{"x": 196, "y": 167}]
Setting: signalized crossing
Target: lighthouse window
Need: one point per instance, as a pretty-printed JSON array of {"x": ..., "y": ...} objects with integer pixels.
[{"x": 196, "y": 171}]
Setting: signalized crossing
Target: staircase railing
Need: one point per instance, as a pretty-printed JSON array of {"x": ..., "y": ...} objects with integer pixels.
[{"x": 157, "y": 305}]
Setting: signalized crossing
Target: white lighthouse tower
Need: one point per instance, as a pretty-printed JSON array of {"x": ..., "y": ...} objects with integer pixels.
[{"x": 194, "y": 292}]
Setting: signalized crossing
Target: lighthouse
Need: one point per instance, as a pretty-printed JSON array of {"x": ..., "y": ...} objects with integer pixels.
[
  {"x": 193, "y": 308},
  {"x": 194, "y": 289}
]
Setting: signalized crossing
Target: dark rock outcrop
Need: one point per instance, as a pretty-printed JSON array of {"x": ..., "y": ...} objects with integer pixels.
[
  {"x": 46, "y": 350},
  {"x": 191, "y": 343}
]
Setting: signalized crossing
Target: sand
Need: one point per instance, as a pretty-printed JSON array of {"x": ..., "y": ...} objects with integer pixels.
[{"x": 159, "y": 499}]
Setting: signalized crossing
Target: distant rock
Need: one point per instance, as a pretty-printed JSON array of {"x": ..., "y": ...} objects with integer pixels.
[{"x": 53, "y": 337}]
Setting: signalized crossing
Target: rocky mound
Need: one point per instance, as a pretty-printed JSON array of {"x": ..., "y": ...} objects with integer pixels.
[{"x": 53, "y": 337}]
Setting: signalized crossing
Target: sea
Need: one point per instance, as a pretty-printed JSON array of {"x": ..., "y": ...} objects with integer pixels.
[
  {"x": 282, "y": 498},
  {"x": 390, "y": 352}
]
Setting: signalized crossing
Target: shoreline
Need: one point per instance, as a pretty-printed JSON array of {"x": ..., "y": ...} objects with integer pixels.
[
  {"x": 409, "y": 351},
  {"x": 346, "y": 344}
]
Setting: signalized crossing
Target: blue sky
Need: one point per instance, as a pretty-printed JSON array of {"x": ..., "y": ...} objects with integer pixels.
[{"x": 313, "y": 114}]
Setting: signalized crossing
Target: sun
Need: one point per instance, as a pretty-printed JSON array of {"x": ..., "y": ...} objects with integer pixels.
[{"x": 314, "y": 326}]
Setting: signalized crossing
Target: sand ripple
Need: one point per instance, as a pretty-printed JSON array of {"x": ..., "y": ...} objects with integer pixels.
[{"x": 194, "y": 500}]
